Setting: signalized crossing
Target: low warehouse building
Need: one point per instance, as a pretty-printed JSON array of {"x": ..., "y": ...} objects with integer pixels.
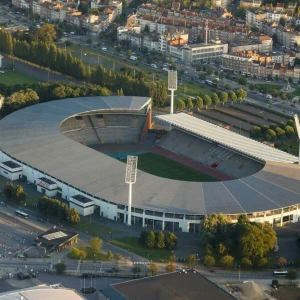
[{"x": 56, "y": 239}]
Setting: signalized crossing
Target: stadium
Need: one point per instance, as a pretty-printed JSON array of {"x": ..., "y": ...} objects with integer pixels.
[{"x": 57, "y": 147}]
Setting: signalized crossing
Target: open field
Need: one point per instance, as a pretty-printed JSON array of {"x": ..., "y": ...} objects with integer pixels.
[
  {"x": 11, "y": 78},
  {"x": 132, "y": 244},
  {"x": 168, "y": 168}
]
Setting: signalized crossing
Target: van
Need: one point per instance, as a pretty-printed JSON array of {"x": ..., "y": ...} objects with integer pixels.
[
  {"x": 165, "y": 69},
  {"x": 268, "y": 96},
  {"x": 104, "y": 49}
]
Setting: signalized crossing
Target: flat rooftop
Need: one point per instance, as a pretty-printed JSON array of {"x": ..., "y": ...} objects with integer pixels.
[
  {"x": 47, "y": 180},
  {"x": 56, "y": 236},
  {"x": 172, "y": 286},
  {"x": 82, "y": 199},
  {"x": 11, "y": 164}
]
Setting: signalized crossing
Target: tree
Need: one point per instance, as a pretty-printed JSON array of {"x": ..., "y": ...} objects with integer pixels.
[
  {"x": 117, "y": 257},
  {"x": 246, "y": 262},
  {"x": 171, "y": 240},
  {"x": 282, "y": 21},
  {"x": 19, "y": 194},
  {"x": 280, "y": 132},
  {"x": 275, "y": 93},
  {"x": 170, "y": 268},
  {"x": 153, "y": 269},
  {"x": 160, "y": 240},
  {"x": 209, "y": 70},
  {"x": 227, "y": 261},
  {"x": 191, "y": 260},
  {"x": 281, "y": 262},
  {"x": 47, "y": 33},
  {"x": 241, "y": 94},
  {"x": 270, "y": 135},
  {"x": 232, "y": 96},
  {"x": 241, "y": 12},
  {"x": 143, "y": 237},
  {"x": 95, "y": 245},
  {"x": 255, "y": 132},
  {"x": 151, "y": 240},
  {"x": 129, "y": 53},
  {"x": 109, "y": 255},
  {"x": 221, "y": 248},
  {"x": 261, "y": 262},
  {"x": 146, "y": 29},
  {"x": 292, "y": 275},
  {"x": 60, "y": 267},
  {"x": 223, "y": 97},
  {"x": 207, "y": 101},
  {"x": 215, "y": 99},
  {"x": 209, "y": 261},
  {"x": 283, "y": 96},
  {"x": 8, "y": 191},
  {"x": 189, "y": 104},
  {"x": 180, "y": 104},
  {"x": 242, "y": 80},
  {"x": 289, "y": 131},
  {"x": 73, "y": 216},
  {"x": 199, "y": 103},
  {"x": 213, "y": 229}
]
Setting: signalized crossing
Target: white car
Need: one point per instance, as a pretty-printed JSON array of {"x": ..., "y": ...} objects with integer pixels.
[
  {"x": 21, "y": 255},
  {"x": 154, "y": 66}
]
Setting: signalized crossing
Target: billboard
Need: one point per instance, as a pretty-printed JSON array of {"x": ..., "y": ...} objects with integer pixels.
[{"x": 172, "y": 80}]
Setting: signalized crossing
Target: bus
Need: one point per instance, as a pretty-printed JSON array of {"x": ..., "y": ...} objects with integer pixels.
[
  {"x": 211, "y": 83},
  {"x": 21, "y": 214},
  {"x": 280, "y": 273}
]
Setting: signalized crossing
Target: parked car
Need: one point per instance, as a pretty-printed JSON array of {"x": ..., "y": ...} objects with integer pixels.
[
  {"x": 21, "y": 255},
  {"x": 2, "y": 203},
  {"x": 154, "y": 66}
]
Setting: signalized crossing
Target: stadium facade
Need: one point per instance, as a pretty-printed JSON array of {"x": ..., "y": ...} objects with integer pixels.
[{"x": 45, "y": 145}]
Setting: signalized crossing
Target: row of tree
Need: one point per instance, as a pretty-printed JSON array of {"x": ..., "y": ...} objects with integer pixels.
[
  {"x": 158, "y": 239},
  {"x": 14, "y": 193},
  {"x": 45, "y": 53},
  {"x": 17, "y": 97},
  {"x": 54, "y": 208},
  {"x": 274, "y": 131},
  {"x": 245, "y": 242},
  {"x": 206, "y": 100}
]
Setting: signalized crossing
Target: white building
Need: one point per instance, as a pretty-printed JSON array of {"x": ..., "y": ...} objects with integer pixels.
[
  {"x": 84, "y": 205},
  {"x": 11, "y": 170},
  {"x": 46, "y": 186}
]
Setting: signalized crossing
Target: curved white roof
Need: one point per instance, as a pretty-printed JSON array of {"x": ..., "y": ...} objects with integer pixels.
[
  {"x": 32, "y": 136},
  {"x": 228, "y": 138}
]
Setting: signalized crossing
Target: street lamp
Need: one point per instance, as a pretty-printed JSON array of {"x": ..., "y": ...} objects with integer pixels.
[{"x": 239, "y": 273}]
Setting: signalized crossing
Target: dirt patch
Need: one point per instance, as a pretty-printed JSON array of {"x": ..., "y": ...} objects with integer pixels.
[{"x": 287, "y": 292}]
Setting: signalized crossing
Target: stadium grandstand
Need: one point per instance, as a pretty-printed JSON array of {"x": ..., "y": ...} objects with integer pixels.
[{"x": 47, "y": 144}]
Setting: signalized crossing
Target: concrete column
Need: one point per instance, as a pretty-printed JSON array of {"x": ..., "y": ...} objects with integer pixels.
[
  {"x": 143, "y": 218},
  {"x": 281, "y": 217}
]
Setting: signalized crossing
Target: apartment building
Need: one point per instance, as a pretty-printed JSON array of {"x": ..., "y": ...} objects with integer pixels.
[
  {"x": 260, "y": 66},
  {"x": 255, "y": 18}
]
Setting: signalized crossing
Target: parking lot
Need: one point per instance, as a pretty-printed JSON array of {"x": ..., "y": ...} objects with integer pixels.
[{"x": 15, "y": 236}]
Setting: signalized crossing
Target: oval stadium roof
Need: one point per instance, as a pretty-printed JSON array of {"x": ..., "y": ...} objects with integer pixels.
[{"x": 32, "y": 136}]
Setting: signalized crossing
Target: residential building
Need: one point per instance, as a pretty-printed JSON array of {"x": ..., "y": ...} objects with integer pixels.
[
  {"x": 251, "y": 3},
  {"x": 255, "y": 18}
]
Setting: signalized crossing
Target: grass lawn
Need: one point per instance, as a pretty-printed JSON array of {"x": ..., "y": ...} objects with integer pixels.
[
  {"x": 269, "y": 87},
  {"x": 292, "y": 146},
  {"x": 132, "y": 244},
  {"x": 168, "y": 168},
  {"x": 94, "y": 229},
  {"x": 90, "y": 254},
  {"x": 11, "y": 78}
]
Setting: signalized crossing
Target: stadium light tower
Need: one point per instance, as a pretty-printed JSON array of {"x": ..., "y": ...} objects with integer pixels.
[
  {"x": 172, "y": 86},
  {"x": 298, "y": 132},
  {"x": 130, "y": 178}
]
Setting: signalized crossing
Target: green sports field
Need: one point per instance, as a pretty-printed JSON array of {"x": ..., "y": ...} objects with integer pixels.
[{"x": 168, "y": 168}]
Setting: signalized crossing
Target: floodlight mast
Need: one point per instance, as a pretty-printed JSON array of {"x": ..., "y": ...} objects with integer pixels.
[
  {"x": 130, "y": 178},
  {"x": 297, "y": 124},
  {"x": 172, "y": 86}
]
